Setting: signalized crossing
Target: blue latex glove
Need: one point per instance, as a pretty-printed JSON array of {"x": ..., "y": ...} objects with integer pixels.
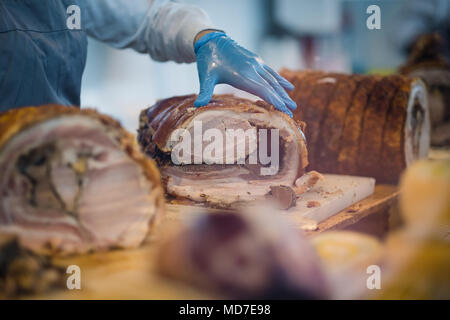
[{"x": 222, "y": 60}]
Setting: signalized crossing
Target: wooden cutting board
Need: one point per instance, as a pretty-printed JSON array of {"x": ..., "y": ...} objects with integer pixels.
[{"x": 328, "y": 197}]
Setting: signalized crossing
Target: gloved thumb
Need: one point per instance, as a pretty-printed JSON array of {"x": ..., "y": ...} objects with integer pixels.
[{"x": 206, "y": 91}]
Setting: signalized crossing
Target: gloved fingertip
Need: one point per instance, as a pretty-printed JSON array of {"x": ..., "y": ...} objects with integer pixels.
[
  {"x": 282, "y": 80},
  {"x": 198, "y": 103},
  {"x": 286, "y": 103},
  {"x": 291, "y": 104},
  {"x": 283, "y": 109},
  {"x": 287, "y": 85},
  {"x": 206, "y": 92},
  {"x": 278, "y": 104},
  {"x": 202, "y": 101}
]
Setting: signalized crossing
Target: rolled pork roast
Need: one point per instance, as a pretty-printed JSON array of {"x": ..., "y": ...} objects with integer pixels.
[
  {"x": 74, "y": 180},
  {"x": 232, "y": 178},
  {"x": 362, "y": 125}
]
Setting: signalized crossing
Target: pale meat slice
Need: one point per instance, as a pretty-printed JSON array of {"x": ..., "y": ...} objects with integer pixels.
[{"x": 307, "y": 182}]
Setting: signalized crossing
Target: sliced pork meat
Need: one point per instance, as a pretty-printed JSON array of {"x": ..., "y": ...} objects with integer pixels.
[
  {"x": 307, "y": 181},
  {"x": 230, "y": 151},
  {"x": 283, "y": 196},
  {"x": 73, "y": 180}
]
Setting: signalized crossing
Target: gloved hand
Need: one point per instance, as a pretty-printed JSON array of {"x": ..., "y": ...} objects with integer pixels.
[{"x": 222, "y": 60}]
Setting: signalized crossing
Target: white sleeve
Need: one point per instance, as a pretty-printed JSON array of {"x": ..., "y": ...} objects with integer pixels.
[{"x": 161, "y": 28}]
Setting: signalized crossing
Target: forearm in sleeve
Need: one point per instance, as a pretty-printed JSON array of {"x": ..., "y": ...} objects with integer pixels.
[{"x": 163, "y": 29}]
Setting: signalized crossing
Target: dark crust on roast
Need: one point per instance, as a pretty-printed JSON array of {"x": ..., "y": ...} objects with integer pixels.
[
  {"x": 303, "y": 88},
  {"x": 14, "y": 121},
  {"x": 393, "y": 136},
  {"x": 374, "y": 120},
  {"x": 311, "y": 98},
  {"x": 333, "y": 124},
  {"x": 348, "y": 153}
]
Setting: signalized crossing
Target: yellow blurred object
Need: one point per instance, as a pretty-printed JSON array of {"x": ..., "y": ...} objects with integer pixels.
[
  {"x": 415, "y": 269},
  {"x": 346, "y": 256},
  {"x": 425, "y": 196},
  {"x": 346, "y": 249},
  {"x": 416, "y": 262}
]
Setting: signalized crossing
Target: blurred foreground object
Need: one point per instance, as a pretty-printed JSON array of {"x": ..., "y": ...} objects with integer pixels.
[
  {"x": 346, "y": 256},
  {"x": 417, "y": 258},
  {"x": 346, "y": 249},
  {"x": 415, "y": 268},
  {"x": 244, "y": 256},
  {"x": 428, "y": 62},
  {"x": 425, "y": 197},
  {"x": 74, "y": 180},
  {"x": 22, "y": 272},
  {"x": 362, "y": 125}
]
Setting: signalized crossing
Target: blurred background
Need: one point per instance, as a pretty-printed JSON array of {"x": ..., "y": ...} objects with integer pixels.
[{"x": 317, "y": 34}]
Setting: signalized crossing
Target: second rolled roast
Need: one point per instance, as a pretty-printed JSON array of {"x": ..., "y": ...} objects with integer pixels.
[{"x": 362, "y": 125}]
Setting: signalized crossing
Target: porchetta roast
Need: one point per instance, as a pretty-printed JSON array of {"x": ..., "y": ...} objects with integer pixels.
[
  {"x": 74, "y": 180},
  {"x": 366, "y": 125},
  {"x": 230, "y": 151}
]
